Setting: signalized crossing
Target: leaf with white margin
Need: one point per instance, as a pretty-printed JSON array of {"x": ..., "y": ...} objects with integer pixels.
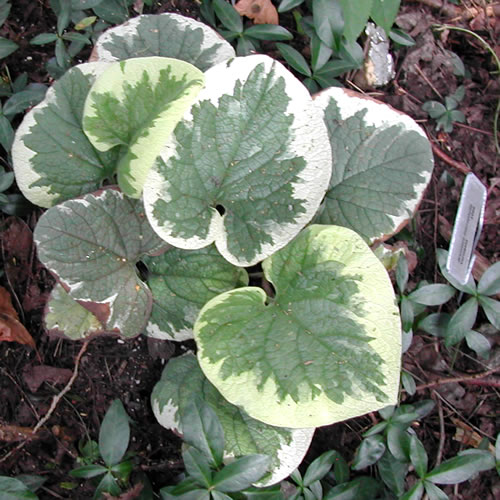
[
  {"x": 66, "y": 316},
  {"x": 135, "y": 104},
  {"x": 247, "y": 166},
  {"x": 326, "y": 348},
  {"x": 183, "y": 380},
  {"x": 182, "y": 282},
  {"x": 165, "y": 35},
  {"x": 382, "y": 164},
  {"x": 92, "y": 245},
  {"x": 52, "y": 157}
]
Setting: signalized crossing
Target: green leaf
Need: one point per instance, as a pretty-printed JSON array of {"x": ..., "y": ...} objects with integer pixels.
[
  {"x": 461, "y": 322},
  {"x": 311, "y": 355},
  {"x": 135, "y": 104},
  {"x": 12, "y": 489},
  {"x": 63, "y": 16},
  {"x": 228, "y": 15},
  {"x": 20, "y": 101},
  {"x": 114, "y": 434},
  {"x": 384, "y": 13},
  {"x": 85, "y": 4},
  {"x": 402, "y": 273},
  {"x": 52, "y": 157},
  {"x": 401, "y": 37},
  {"x": 62, "y": 57},
  {"x": 182, "y": 282},
  {"x": 113, "y": 11},
  {"x": 7, "y": 47},
  {"x": 462, "y": 467},
  {"x": 491, "y": 308},
  {"x": 320, "y": 53},
  {"x": 415, "y": 493},
  {"x": 268, "y": 32},
  {"x": 217, "y": 495},
  {"x": 328, "y": 20},
  {"x": 188, "y": 489},
  {"x": 88, "y": 471},
  {"x": 369, "y": 452},
  {"x": 202, "y": 429},
  {"x": 361, "y": 488},
  {"x": 356, "y": 15},
  {"x": 92, "y": 244},
  {"x": 108, "y": 484},
  {"x": 5, "y": 7},
  {"x": 432, "y": 295},
  {"x": 77, "y": 37},
  {"x": 478, "y": 343},
  {"x": 407, "y": 313},
  {"x": 408, "y": 383},
  {"x": 6, "y": 180},
  {"x": 434, "y": 109},
  {"x": 6, "y": 133},
  {"x": 65, "y": 316},
  {"x": 286, "y": 5},
  {"x": 197, "y": 466},
  {"x": 393, "y": 473},
  {"x": 383, "y": 162},
  {"x": 418, "y": 456},
  {"x": 247, "y": 167},
  {"x": 435, "y": 324},
  {"x": 398, "y": 442},
  {"x": 166, "y": 35},
  {"x": 489, "y": 284},
  {"x": 320, "y": 467},
  {"x": 31, "y": 481},
  {"x": 182, "y": 379},
  {"x": 294, "y": 58},
  {"x": 241, "y": 473},
  {"x": 433, "y": 492},
  {"x": 43, "y": 38},
  {"x": 122, "y": 470}
]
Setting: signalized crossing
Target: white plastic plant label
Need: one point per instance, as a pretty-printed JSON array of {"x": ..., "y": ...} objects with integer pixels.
[{"x": 467, "y": 229}]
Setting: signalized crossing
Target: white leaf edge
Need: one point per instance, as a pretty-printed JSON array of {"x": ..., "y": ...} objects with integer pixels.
[
  {"x": 145, "y": 148},
  {"x": 311, "y": 141},
  {"x": 289, "y": 455},
  {"x": 130, "y": 28},
  {"x": 319, "y": 410},
  {"x": 22, "y": 155},
  {"x": 378, "y": 114}
]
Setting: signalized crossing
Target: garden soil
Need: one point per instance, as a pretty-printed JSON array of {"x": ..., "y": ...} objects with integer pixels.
[{"x": 465, "y": 412}]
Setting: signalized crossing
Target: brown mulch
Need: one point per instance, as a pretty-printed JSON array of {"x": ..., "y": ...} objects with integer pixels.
[{"x": 112, "y": 368}]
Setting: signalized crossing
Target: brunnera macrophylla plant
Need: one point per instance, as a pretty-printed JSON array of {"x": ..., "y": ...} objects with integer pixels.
[{"x": 169, "y": 168}]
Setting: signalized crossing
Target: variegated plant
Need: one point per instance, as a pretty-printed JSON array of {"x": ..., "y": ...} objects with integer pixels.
[{"x": 222, "y": 163}]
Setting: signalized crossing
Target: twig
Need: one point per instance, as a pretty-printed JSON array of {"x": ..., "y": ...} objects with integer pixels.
[
  {"x": 431, "y": 85},
  {"x": 461, "y": 167},
  {"x": 458, "y": 380},
  {"x": 442, "y": 433},
  {"x": 55, "y": 401}
]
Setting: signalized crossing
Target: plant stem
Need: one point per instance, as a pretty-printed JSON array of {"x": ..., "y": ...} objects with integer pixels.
[{"x": 458, "y": 380}]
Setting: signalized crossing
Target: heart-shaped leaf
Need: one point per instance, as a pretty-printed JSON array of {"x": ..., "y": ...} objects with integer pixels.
[
  {"x": 92, "y": 245},
  {"x": 247, "y": 169},
  {"x": 182, "y": 380},
  {"x": 52, "y": 157},
  {"x": 326, "y": 348},
  {"x": 382, "y": 164},
  {"x": 182, "y": 282},
  {"x": 135, "y": 104},
  {"x": 166, "y": 35}
]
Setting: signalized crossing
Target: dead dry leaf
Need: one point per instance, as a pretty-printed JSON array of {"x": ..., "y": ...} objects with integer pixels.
[
  {"x": 260, "y": 11},
  {"x": 35, "y": 376},
  {"x": 11, "y": 329}
]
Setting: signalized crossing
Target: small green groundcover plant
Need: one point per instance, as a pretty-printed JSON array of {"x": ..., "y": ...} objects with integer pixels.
[{"x": 169, "y": 167}]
